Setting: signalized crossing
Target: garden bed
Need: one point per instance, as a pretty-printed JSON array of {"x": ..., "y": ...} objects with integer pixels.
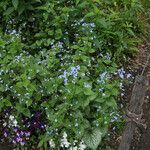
[{"x": 62, "y": 71}]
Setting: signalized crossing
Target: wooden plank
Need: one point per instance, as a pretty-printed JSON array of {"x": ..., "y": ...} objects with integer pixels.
[{"x": 135, "y": 107}]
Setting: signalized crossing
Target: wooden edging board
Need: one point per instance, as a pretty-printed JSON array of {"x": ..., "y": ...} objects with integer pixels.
[{"x": 141, "y": 85}]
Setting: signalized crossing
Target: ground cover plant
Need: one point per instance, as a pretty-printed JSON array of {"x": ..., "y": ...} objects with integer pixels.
[{"x": 58, "y": 68}]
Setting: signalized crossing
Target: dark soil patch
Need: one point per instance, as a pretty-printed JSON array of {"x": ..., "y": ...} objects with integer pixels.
[
  {"x": 141, "y": 140},
  {"x": 141, "y": 137}
]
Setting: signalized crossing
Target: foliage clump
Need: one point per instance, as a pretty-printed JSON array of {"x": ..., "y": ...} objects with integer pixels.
[{"x": 58, "y": 65}]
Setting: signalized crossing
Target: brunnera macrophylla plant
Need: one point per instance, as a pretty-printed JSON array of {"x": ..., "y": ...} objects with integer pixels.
[
  {"x": 54, "y": 104},
  {"x": 57, "y": 69}
]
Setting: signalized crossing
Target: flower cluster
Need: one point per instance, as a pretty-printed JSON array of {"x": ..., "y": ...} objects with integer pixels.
[
  {"x": 12, "y": 121},
  {"x": 73, "y": 72},
  {"x": 20, "y": 136},
  {"x": 64, "y": 141},
  {"x": 60, "y": 78},
  {"x": 80, "y": 146},
  {"x": 51, "y": 143}
]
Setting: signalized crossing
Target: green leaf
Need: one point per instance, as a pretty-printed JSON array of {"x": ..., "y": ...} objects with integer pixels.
[
  {"x": 115, "y": 92},
  {"x": 92, "y": 97},
  {"x": 9, "y": 11},
  {"x": 58, "y": 33},
  {"x": 92, "y": 50},
  {"x": 15, "y": 4},
  {"x": 21, "y": 9},
  {"x": 88, "y": 91},
  {"x": 40, "y": 144},
  {"x": 111, "y": 103},
  {"x": 7, "y": 102},
  {"x": 2, "y": 88},
  {"x": 2, "y": 43},
  {"x": 100, "y": 99},
  {"x": 77, "y": 2},
  {"x": 29, "y": 102},
  {"x": 93, "y": 138},
  {"x": 91, "y": 14},
  {"x": 27, "y": 112},
  {"x": 78, "y": 90},
  {"x": 85, "y": 103},
  {"x": 19, "y": 108},
  {"x": 38, "y": 1}
]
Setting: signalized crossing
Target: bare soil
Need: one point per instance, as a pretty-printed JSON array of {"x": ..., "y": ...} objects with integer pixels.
[
  {"x": 141, "y": 138},
  {"x": 140, "y": 66}
]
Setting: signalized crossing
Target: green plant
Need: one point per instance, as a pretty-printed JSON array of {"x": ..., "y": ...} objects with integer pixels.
[{"x": 58, "y": 60}]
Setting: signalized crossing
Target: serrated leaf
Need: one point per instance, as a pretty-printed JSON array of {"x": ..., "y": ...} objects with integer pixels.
[
  {"x": 15, "y": 4},
  {"x": 92, "y": 139}
]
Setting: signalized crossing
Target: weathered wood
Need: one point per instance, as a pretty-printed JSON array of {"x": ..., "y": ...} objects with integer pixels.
[
  {"x": 127, "y": 136},
  {"x": 137, "y": 99},
  {"x": 138, "y": 94}
]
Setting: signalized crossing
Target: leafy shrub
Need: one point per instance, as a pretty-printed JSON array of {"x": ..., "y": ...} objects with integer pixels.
[
  {"x": 57, "y": 69},
  {"x": 48, "y": 98}
]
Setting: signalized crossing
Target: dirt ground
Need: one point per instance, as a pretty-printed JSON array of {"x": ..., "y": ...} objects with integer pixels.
[
  {"x": 141, "y": 64},
  {"x": 141, "y": 138}
]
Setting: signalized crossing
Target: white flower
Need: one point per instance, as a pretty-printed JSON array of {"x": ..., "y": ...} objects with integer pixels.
[
  {"x": 76, "y": 125},
  {"x": 74, "y": 142},
  {"x": 22, "y": 143},
  {"x": 4, "y": 124},
  {"x": 29, "y": 78},
  {"x": 64, "y": 141},
  {"x": 64, "y": 135},
  {"x": 86, "y": 85},
  {"x": 52, "y": 144},
  {"x": 15, "y": 122},
  {"x": 11, "y": 117},
  {"x": 73, "y": 148},
  {"x": 82, "y": 74},
  {"x": 82, "y": 146},
  {"x": 104, "y": 94}
]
